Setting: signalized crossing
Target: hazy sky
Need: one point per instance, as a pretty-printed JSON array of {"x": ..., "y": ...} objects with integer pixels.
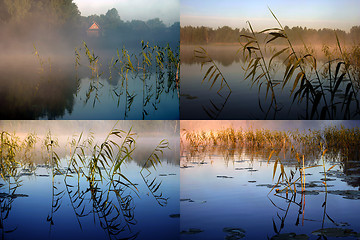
[
  {"x": 167, "y": 10},
  {"x": 342, "y": 14}
]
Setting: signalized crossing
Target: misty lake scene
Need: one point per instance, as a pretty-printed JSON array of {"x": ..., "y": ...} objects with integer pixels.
[
  {"x": 89, "y": 180},
  {"x": 60, "y": 64},
  {"x": 240, "y": 66},
  {"x": 250, "y": 181},
  {"x": 206, "y": 102}
]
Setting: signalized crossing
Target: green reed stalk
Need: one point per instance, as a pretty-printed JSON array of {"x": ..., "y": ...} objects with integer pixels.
[
  {"x": 266, "y": 70},
  {"x": 297, "y": 59},
  {"x": 347, "y": 71}
]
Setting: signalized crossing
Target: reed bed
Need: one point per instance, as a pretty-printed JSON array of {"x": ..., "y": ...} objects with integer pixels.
[
  {"x": 292, "y": 154},
  {"x": 329, "y": 91},
  {"x": 157, "y": 67},
  {"x": 109, "y": 194},
  {"x": 163, "y": 62},
  {"x": 304, "y": 150},
  {"x": 330, "y": 137}
]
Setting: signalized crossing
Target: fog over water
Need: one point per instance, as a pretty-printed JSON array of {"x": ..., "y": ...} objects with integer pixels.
[
  {"x": 265, "y": 124},
  {"x": 148, "y": 135},
  {"x": 48, "y": 51}
]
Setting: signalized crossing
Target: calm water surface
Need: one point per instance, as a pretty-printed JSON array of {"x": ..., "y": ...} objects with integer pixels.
[
  {"x": 31, "y": 211},
  {"x": 200, "y": 101},
  {"x": 210, "y": 203},
  {"x": 53, "y": 87}
]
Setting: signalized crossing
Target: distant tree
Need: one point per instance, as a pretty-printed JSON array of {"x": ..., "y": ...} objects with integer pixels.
[
  {"x": 175, "y": 26},
  {"x": 50, "y": 12},
  {"x": 297, "y": 35},
  {"x": 355, "y": 34},
  {"x": 111, "y": 20},
  {"x": 113, "y": 15},
  {"x": 4, "y": 13},
  {"x": 64, "y": 12},
  {"x": 155, "y": 23},
  {"x": 18, "y": 9},
  {"x": 138, "y": 25}
]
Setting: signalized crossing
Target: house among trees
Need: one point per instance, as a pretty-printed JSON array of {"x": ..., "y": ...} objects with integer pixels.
[{"x": 94, "y": 30}]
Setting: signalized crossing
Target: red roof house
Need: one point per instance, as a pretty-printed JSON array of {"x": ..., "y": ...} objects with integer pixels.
[{"x": 94, "y": 30}]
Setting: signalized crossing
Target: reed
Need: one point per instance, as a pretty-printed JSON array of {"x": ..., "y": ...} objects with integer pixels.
[
  {"x": 147, "y": 60},
  {"x": 157, "y": 67},
  {"x": 309, "y": 143},
  {"x": 108, "y": 193},
  {"x": 330, "y": 95}
]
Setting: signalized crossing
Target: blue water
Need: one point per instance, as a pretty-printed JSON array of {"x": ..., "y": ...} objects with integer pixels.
[
  {"x": 200, "y": 100},
  {"x": 27, "y": 215},
  {"x": 236, "y": 202},
  {"x": 109, "y": 106}
]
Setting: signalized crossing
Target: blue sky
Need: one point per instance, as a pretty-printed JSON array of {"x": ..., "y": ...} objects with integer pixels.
[
  {"x": 340, "y": 14},
  {"x": 166, "y": 10}
]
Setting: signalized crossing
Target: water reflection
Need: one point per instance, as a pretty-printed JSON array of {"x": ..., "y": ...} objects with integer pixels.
[
  {"x": 92, "y": 188},
  {"x": 232, "y": 191},
  {"x": 251, "y": 98},
  {"x": 27, "y": 93},
  {"x": 61, "y": 87}
]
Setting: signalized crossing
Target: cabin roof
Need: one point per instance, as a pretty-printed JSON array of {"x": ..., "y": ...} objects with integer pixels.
[{"x": 94, "y": 26}]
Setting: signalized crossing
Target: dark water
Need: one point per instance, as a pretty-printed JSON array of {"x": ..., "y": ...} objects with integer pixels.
[
  {"x": 211, "y": 203},
  {"x": 200, "y": 101},
  {"x": 54, "y": 87},
  {"x": 40, "y": 209}
]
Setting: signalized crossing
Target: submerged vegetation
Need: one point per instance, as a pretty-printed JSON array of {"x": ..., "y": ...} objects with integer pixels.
[
  {"x": 92, "y": 174},
  {"x": 327, "y": 90}
]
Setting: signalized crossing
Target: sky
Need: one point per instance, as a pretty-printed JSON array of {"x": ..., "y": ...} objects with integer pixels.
[
  {"x": 338, "y": 14},
  {"x": 167, "y": 10}
]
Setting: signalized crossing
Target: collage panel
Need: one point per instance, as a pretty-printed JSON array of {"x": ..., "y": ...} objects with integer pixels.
[
  {"x": 89, "y": 60},
  {"x": 269, "y": 179},
  {"x": 98, "y": 141},
  {"x": 89, "y": 179},
  {"x": 276, "y": 60}
]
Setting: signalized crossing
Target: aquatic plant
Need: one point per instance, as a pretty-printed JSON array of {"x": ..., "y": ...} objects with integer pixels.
[
  {"x": 309, "y": 143},
  {"x": 129, "y": 66},
  {"x": 8, "y": 163},
  {"x": 155, "y": 66},
  {"x": 151, "y": 183},
  {"x": 213, "y": 73},
  {"x": 325, "y": 97},
  {"x": 291, "y": 155},
  {"x": 108, "y": 194}
]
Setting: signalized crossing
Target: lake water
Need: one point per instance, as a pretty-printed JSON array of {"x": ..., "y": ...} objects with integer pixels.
[
  {"x": 47, "y": 194},
  {"x": 200, "y": 101},
  {"x": 229, "y": 188},
  {"x": 54, "y": 87},
  {"x": 42, "y": 209},
  {"x": 77, "y": 213}
]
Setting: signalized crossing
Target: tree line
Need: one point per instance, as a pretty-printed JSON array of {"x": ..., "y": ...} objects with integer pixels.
[
  {"x": 50, "y": 19},
  {"x": 113, "y": 27},
  {"x": 297, "y": 35}
]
